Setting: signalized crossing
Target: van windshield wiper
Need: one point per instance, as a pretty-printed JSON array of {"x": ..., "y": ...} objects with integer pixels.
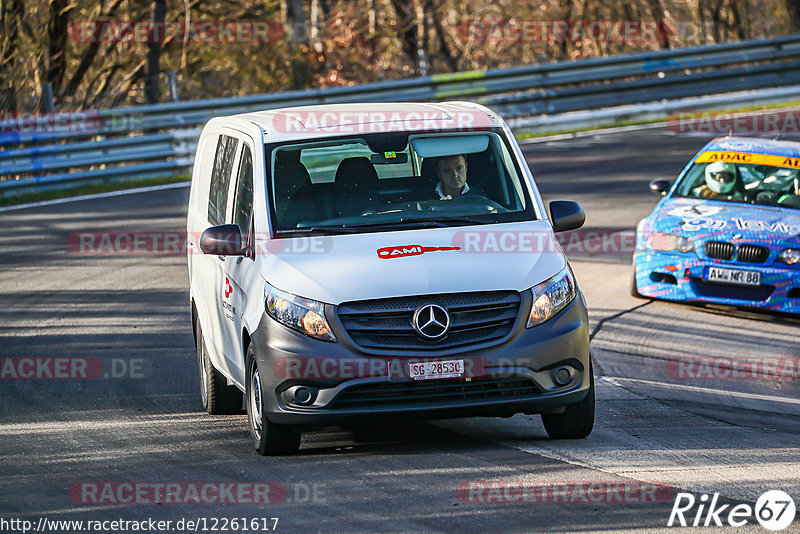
[
  {"x": 462, "y": 220},
  {"x": 401, "y": 224},
  {"x": 320, "y": 229},
  {"x": 360, "y": 228}
]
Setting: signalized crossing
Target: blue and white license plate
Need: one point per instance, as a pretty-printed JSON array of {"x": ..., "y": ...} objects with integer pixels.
[{"x": 733, "y": 276}]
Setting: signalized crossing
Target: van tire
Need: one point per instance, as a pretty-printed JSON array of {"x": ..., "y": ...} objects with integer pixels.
[
  {"x": 577, "y": 421},
  {"x": 216, "y": 396},
  {"x": 269, "y": 439}
]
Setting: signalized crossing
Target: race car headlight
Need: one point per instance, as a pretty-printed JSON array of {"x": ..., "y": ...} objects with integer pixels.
[
  {"x": 669, "y": 242},
  {"x": 790, "y": 256},
  {"x": 552, "y": 296},
  {"x": 304, "y": 315}
]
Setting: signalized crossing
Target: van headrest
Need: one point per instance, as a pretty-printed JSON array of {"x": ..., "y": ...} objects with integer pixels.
[{"x": 355, "y": 174}]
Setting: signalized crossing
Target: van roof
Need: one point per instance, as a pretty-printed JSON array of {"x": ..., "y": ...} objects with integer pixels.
[{"x": 307, "y": 122}]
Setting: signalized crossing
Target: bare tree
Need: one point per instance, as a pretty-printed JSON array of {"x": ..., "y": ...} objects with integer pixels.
[
  {"x": 152, "y": 91},
  {"x": 793, "y": 7},
  {"x": 89, "y": 54},
  {"x": 407, "y": 24},
  {"x": 433, "y": 24},
  {"x": 57, "y": 27}
]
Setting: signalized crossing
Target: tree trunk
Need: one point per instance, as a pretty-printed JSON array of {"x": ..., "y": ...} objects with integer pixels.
[
  {"x": 152, "y": 91},
  {"x": 441, "y": 41},
  {"x": 407, "y": 25},
  {"x": 89, "y": 55},
  {"x": 297, "y": 21},
  {"x": 793, "y": 7},
  {"x": 57, "y": 25},
  {"x": 657, "y": 10},
  {"x": 9, "y": 33},
  {"x": 563, "y": 45}
]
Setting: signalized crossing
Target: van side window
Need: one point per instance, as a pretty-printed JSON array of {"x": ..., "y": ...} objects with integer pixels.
[
  {"x": 220, "y": 179},
  {"x": 243, "y": 201}
]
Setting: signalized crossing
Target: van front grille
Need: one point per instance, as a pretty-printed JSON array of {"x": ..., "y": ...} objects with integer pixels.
[
  {"x": 475, "y": 318},
  {"x": 426, "y": 392}
]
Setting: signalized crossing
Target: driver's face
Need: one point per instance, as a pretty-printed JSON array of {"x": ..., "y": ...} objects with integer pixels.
[{"x": 452, "y": 172}]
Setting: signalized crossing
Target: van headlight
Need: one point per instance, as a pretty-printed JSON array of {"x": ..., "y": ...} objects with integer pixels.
[
  {"x": 669, "y": 242},
  {"x": 552, "y": 296},
  {"x": 304, "y": 315}
]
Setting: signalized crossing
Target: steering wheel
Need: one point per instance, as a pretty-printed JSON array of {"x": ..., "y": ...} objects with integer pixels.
[{"x": 479, "y": 201}]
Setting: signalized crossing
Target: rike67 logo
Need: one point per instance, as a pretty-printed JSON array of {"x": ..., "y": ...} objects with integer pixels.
[{"x": 774, "y": 510}]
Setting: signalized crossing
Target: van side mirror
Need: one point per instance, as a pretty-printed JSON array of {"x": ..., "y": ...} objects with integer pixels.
[
  {"x": 223, "y": 240},
  {"x": 660, "y": 186},
  {"x": 566, "y": 215}
]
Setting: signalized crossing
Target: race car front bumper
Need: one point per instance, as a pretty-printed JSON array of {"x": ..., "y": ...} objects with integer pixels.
[{"x": 682, "y": 277}]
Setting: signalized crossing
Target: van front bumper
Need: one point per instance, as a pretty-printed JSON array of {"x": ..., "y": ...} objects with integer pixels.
[{"x": 311, "y": 382}]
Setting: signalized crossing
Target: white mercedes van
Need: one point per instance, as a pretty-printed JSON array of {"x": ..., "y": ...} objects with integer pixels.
[{"x": 355, "y": 261}]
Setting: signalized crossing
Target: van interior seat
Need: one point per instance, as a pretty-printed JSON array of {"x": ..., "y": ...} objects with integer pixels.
[
  {"x": 355, "y": 187},
  {"x": 293, "y": 189}
]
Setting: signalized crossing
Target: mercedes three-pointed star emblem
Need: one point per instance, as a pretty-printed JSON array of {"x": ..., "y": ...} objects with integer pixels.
[{"x": 431, "y": 321}]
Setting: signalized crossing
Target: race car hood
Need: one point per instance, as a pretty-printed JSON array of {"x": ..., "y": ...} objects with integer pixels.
[
  {"x": 342, "y": 268},
  {"x": 727, "y": 221}
]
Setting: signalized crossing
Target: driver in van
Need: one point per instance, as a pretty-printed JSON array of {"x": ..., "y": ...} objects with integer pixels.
[{"x": 452, "y": 174}]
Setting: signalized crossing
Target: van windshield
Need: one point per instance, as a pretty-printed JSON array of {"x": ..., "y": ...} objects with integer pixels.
[{"x": 390, "y": 181}]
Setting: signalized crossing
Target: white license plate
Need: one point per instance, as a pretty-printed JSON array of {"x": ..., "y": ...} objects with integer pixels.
[
  {"x": 440, "y": 369},
  {"x": 733, "y": 276}
]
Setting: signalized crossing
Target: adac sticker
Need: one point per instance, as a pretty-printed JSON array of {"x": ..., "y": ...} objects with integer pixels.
[
  {"x": 695, "y": 211},
  {"x": 746, "y": 157},
  {"x": 404, "y": 251}
]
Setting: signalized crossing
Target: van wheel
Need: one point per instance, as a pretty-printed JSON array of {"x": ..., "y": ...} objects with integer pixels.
[
  {"x": 217, "y": 396},
  {"x": 269, "y": 439},
  {"x": 577, "y": 420}
]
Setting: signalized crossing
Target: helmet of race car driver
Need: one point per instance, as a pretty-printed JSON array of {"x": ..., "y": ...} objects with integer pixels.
[
  {"x": 721, "y": 177},
  {"x": 780, "y": 180}
]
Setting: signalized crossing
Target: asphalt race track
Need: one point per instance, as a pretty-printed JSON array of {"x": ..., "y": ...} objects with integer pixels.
[{"x": 127, "y": 315}]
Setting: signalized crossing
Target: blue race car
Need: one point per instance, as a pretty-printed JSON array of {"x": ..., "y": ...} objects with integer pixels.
[{"x": 728, "y": 230}]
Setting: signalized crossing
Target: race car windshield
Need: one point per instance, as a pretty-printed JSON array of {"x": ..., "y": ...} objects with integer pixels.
[
  {"x": 391, "y": 181},
  {"x": 742, "y": 182}
]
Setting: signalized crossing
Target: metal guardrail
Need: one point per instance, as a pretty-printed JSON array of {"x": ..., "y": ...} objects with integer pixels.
[{"x": 160, "y": 139}]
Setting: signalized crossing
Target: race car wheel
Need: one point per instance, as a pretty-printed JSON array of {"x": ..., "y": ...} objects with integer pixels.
[
  {"x": 216, "y": 395},
  {"x": 269, "y": 439},
  {"x": 577, "y": 420}
]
